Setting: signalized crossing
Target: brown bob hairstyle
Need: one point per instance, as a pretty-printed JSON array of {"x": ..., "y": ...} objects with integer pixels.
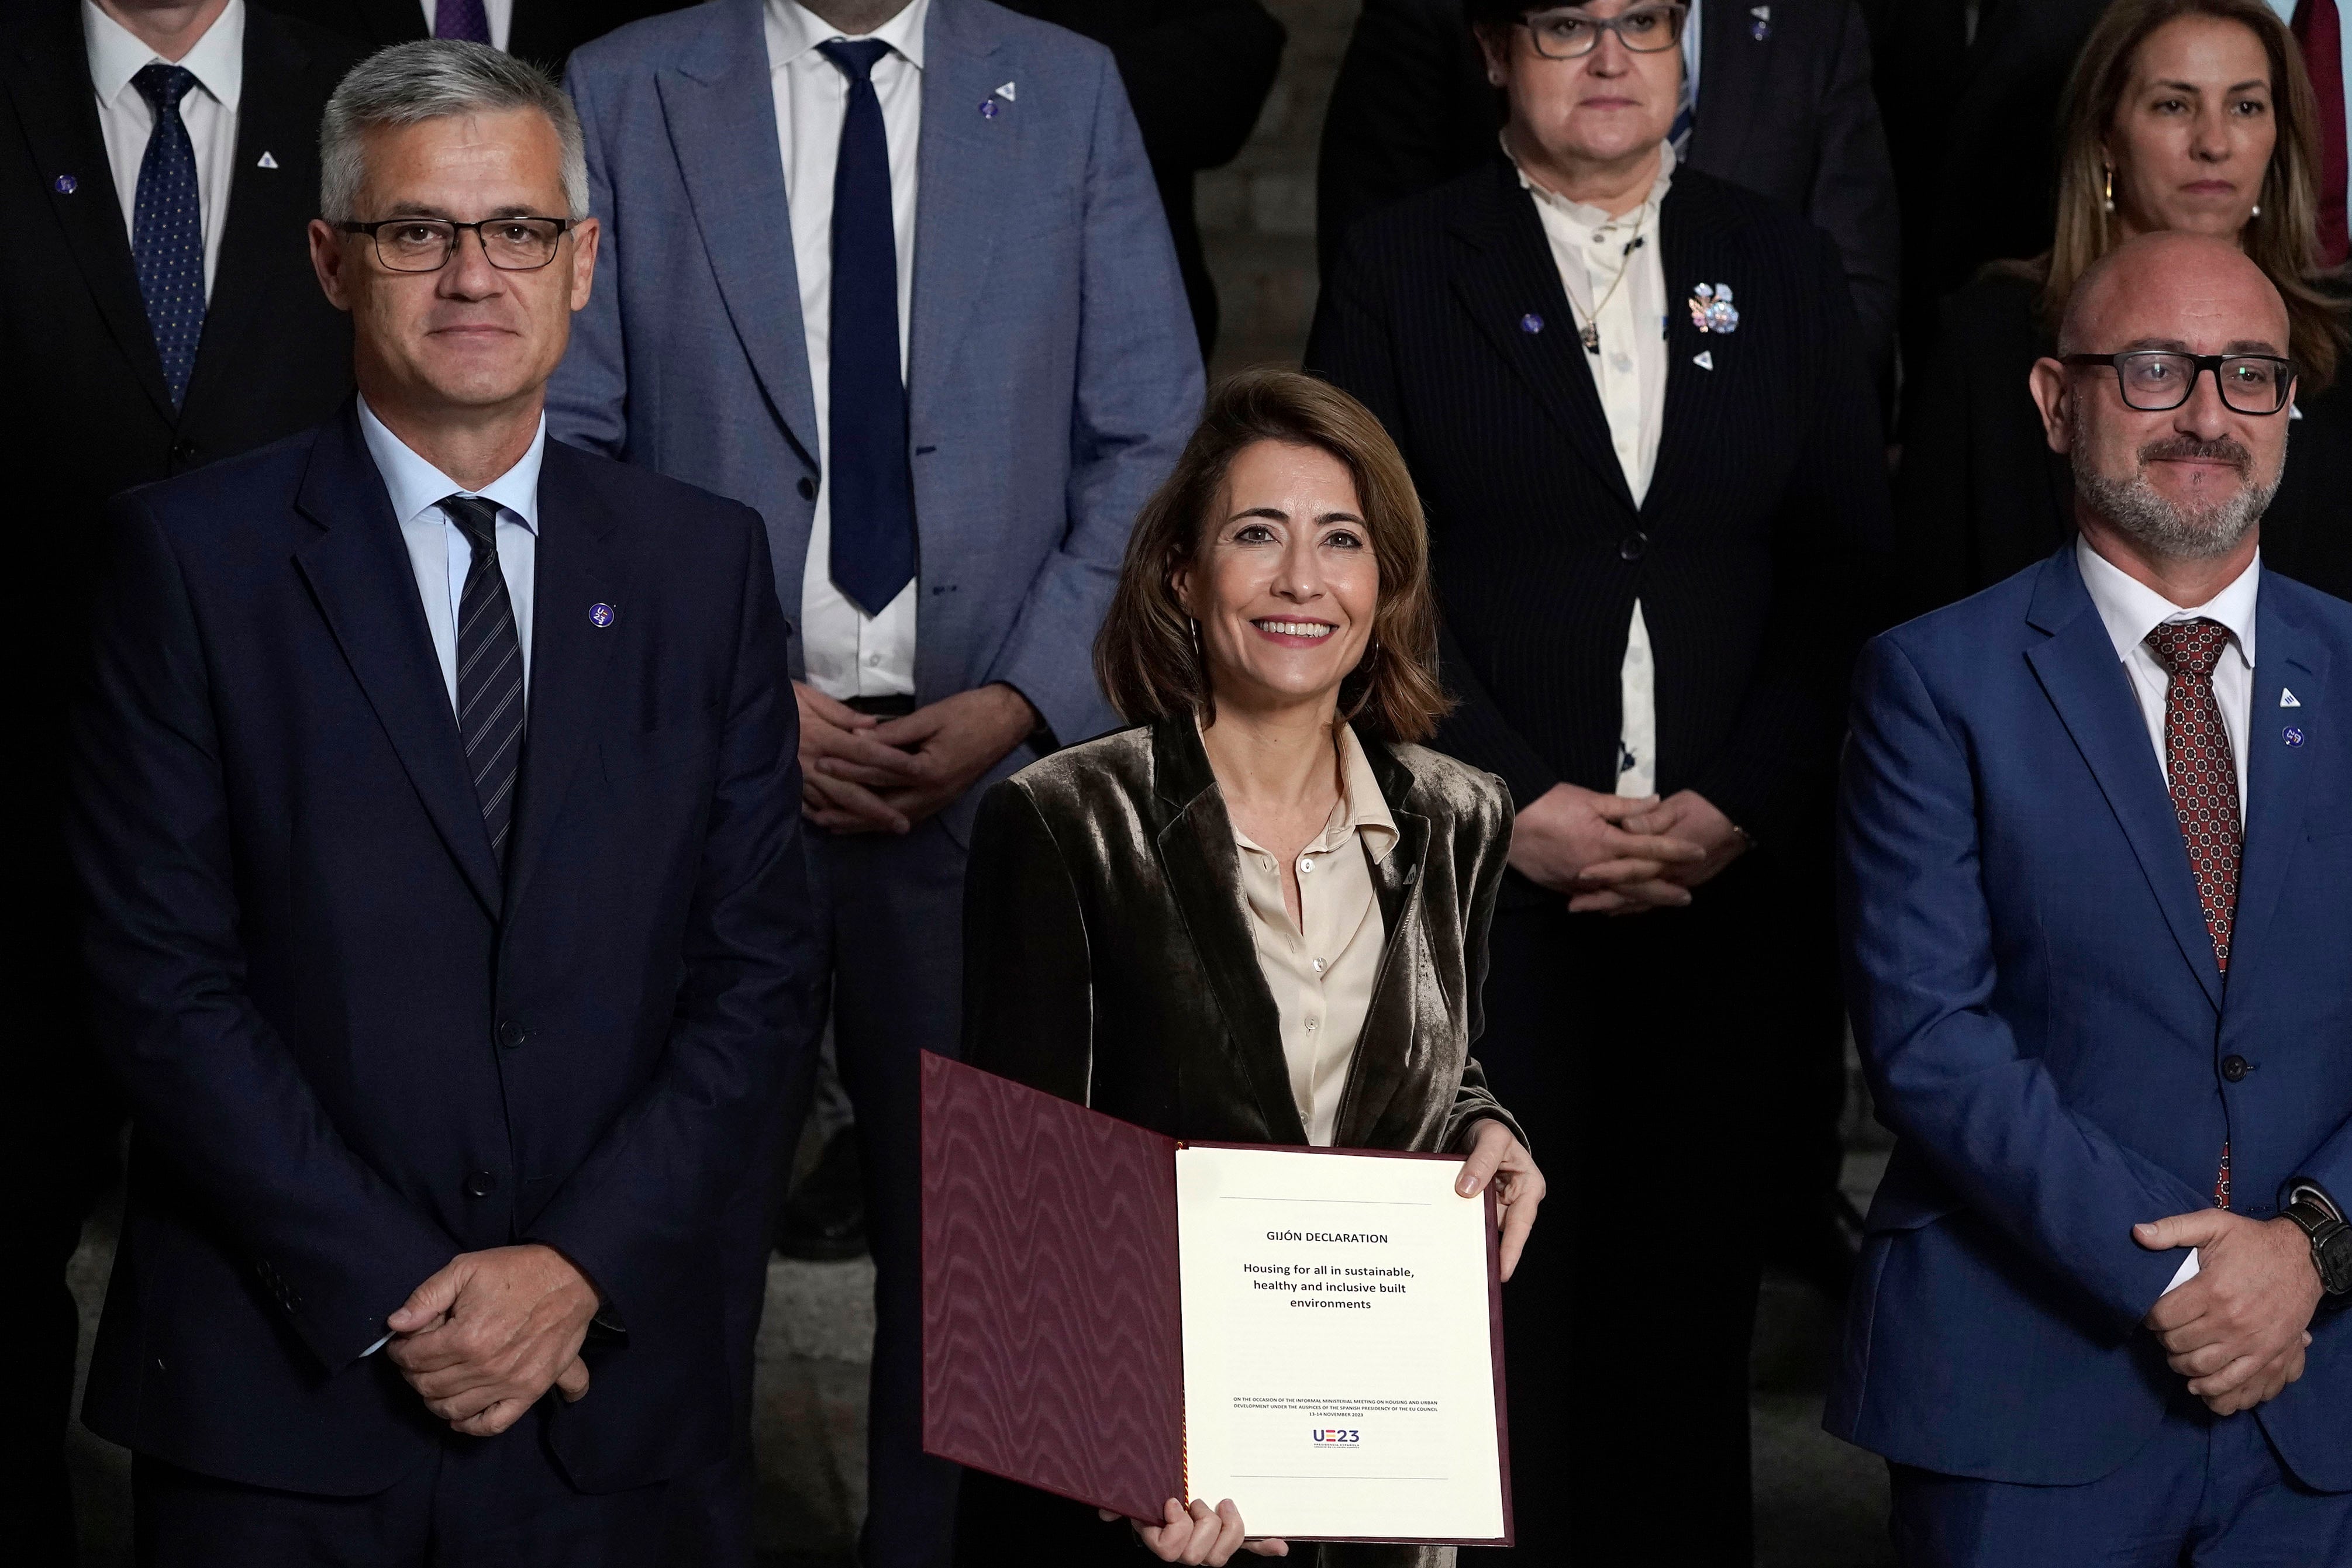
[
  {"x": 2283, "y": 237},
  {"x": 1147, "y": 656}
]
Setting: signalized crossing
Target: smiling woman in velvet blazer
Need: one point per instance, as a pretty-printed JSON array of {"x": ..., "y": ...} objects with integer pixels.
[{"x": 1259, "y": 915}]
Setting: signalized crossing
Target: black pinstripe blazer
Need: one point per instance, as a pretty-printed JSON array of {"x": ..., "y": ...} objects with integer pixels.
[{"x": 1446, "y": 317}]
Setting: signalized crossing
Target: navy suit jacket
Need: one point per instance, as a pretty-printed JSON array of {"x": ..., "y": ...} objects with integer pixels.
[
  {"x": 2045, "y": 1027},
  {"x": 351, "y": 1049},
  {"x": 1051, "y": 371}
]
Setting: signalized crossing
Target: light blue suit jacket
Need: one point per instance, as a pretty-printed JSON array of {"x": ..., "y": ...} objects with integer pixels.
[
  {"x": 2046, "y": 1031},
  {"x": 1053, "y": 372}
]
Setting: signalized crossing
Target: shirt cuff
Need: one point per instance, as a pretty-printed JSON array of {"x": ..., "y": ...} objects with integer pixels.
[
  {"x": 2189, "y": 1268},
  {"x": 376, "y": 1346},
  {"x": 2311, "y": 1192}
]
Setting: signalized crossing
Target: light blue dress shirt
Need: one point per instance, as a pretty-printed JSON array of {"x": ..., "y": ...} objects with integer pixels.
[{"x": 438, "y": 549}]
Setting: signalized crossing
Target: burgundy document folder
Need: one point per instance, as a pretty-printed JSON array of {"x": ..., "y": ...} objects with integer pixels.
[{"x": 1053, "y": 1330}]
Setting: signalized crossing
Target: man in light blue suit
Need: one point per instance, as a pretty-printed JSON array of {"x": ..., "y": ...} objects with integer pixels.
[
  {"x": 896, "y": 275},
  {"x": 2096, "y": 877}
]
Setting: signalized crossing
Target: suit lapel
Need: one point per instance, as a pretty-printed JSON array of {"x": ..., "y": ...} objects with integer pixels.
[
  {"x": 2086, "y": 684},
  {"x": 267, "y": 207},
  {"x": 1386, "y": 1043},
  {"x": 568, "y": 653},
  {"x": 1696, "y": 398},
  {"x": 720, "y": 108},
  {"x": 2278, "y": 775},
  {"x": 360, "y": 572},
  {"x": 48, "y": 69},
  {"x": 965, "y": 165},
  {"x": 1507, "y": 280},
  {"x": 1196, "y": 847},
  {"x": 1733, "y": 65}
]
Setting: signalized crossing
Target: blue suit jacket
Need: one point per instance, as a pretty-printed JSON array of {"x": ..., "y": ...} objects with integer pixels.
[
  {"x": 2044, "y": 1024},
  {"x": 1053, "y": 374},
  {"x": 351, "y": 1051}
]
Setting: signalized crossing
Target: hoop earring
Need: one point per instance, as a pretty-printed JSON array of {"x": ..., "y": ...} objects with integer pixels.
[{"x": 2111, "y": 186}]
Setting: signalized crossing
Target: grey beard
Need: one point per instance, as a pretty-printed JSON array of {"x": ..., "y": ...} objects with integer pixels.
[{"x": 2181, "y": 533}]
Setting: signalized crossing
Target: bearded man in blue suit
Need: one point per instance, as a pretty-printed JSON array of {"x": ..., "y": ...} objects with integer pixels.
[
  {"x": 895, "y": 274},
  {"x": 2096, "y": 834}
]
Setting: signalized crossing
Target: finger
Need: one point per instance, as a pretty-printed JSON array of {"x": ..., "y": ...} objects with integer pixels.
[
  {"x": 1601, "y": 874},
  {"x": 489, "y": 1423},
  {"x": 572, "y": 1380},
  {"x": 2230, "y": 1379},
  {"x": 1203, "y": 1540},
  {"x": 833, "y": 821},
  {"x": 1601, "y": 904},
  {"x": 1229, "y": 1534},
  {"x": 872, "y": 777},
  {"x": 1617, "y": 808},
  {"x": 1518, "y": 1221},
  {"x": 858, "y": 802},
  {"x": 2199, "y": 1228},
  {"x": 814, "y": 704},
  {"x": 2203, "y": 1362},
  {"x": 430, "y": 1300},
  {"x": 1271, "y": 1546},
  {"x": 1485, "y": 1156},
  {"x": 1661, "y": 847},
  {"x": 912, "y": 729},
  {"x": 1658, "y": 894},
  {"x": 867, "y": 751}
]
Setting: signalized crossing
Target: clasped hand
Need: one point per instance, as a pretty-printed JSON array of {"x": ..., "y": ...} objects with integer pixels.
[
  {"x": 1614, "y": 854},
  {"x": 2238, "y": 1330},
  {"x": 491, "y": 1332},
  {"x": 860, "y": 774}
]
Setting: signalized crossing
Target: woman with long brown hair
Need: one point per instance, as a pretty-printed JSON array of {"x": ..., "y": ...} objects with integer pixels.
[
  {"x": 2181, "y": 114},
  {"x": 1260, "y": 914}
]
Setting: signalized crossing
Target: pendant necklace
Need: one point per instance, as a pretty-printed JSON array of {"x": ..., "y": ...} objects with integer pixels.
[{"x": 1588, "y": 334}]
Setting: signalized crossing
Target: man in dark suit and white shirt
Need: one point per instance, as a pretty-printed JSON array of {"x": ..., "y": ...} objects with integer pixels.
[
  {"x": 98, "y": 398},
  {"x": 436, "y": 812}
]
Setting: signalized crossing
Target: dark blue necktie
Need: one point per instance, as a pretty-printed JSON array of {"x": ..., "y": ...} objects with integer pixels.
[
  {"x": 873, "y": 493},
  {"x": 167, "y": 229},
  {"x": 462, "y": 19},
  {"x": 489, "y": 671}
]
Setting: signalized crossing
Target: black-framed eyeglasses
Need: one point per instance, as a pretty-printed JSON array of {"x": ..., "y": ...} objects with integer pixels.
[
  {"x": 2155, "y": 380},
  {"x": 1570, "y": 34},
  {"x": 426, "y": 245}
]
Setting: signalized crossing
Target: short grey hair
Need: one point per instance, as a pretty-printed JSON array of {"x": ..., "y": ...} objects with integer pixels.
[{"x": 408, "y": 84}]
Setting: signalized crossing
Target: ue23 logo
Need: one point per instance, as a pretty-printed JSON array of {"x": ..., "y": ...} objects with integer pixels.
[{"x": 1337, "y": 1437}]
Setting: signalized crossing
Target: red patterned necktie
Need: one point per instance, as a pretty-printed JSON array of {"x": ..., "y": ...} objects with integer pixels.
[
  {"x": 2318, "y": 31},
  {"x": 2203, "y": 773}
]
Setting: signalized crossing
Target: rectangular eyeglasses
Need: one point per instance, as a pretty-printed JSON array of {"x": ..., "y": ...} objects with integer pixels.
[
  {"x": 1570, "y": 34},
  {"x": 2155, "y": 380},
  {"x": 426, "y": 245}
]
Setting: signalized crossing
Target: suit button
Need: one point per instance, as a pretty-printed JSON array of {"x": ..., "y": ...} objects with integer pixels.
[
  {"x": 2233, "y": 1068},
  {"x": 1632, "y": 546},
  {"x": 808, "y": 488},
  {"x": 512, "y": 1034},
  {"x": 184, "y": 451},
  {"x": 481, "y": 1184}
]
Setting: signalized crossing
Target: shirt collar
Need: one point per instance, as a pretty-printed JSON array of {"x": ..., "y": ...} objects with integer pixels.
[
  {"x": 793, "y": 30},
  {"x": 1362, "y": 808},
  {"x": 417, "y": 487},
  {"x": 116, "y": 55},
  {"x": 2130, "y": 610},
  {"x": 1594, "y": 218}
]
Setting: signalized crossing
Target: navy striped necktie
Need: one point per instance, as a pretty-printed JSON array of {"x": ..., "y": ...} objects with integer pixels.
[
  {"x": 872, "y": 490},
  {"x": 167, "y": 228},
  {"x": 490, "y": 671}
]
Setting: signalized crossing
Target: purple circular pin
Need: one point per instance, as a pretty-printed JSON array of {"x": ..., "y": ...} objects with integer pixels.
[
  {"x": 600, "y": 615},
  {"x": 1530, "y": 322},
  {"x": 1759, "y": 30},
  {"x": 987, "y": 109},
  {"x": 66, "y": 185},
  {"x": 2294, "y": 735}
]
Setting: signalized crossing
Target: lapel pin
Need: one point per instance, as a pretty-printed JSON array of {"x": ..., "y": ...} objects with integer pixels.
[
  {"x": 2294, "y": 735},
  {"x": 987, "y": 108},
  {"x": 268, "y": 159},
  {"x": 65, "y": 184},
  {"x": 1704, "y": 359},
  {"x": 2288, "y": 699},
  {"x": 1760, "y": 28},
  {"x": 600, "y": 616},
  {"x": 1530, "y": 323},
  {"x": 1711, "y": 308},
  {"x": 1006, "y": 92}
]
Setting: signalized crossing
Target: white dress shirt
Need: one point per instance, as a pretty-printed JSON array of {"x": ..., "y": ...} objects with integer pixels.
[
  {"x": 1588, "y": 247},
  {"x": 209, "y": 111},
  {"x": 1322, "y": 968},
  {"x": 498, "y": 13},
  {"x": 848, "y": 652},
  {"x": 2285, "y": 9},
  {"x": 438, "y": 551},
  {"x": 2130, "y": 610}
]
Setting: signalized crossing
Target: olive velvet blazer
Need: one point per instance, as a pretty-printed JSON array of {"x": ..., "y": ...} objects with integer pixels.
[{"x": 1109, "y": 959}]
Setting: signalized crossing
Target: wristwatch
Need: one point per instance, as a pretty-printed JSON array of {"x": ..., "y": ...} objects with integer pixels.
[{"x": 2331, "y": 1243}]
